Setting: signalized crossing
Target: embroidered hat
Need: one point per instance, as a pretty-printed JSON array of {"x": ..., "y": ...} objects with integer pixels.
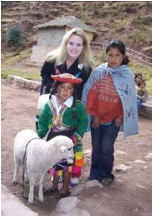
[{"x": 66, "y": 78}]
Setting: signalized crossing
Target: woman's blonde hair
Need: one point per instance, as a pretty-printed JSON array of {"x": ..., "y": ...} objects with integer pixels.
[{"x": 60, "y": 54}]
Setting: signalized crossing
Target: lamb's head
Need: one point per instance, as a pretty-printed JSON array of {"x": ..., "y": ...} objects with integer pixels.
[{"x": 64, "y": 145}]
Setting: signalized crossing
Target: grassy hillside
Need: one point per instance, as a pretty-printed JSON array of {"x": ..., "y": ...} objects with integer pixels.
[{"x": 127, "y": 21}]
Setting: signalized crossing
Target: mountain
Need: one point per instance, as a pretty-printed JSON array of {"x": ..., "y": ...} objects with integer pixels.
[{"x": 127, "y": 21}]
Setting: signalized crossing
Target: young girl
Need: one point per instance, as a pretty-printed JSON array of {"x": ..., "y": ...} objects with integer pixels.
[
  {"x": 64, "y": 115},
  {"x": 138, "y": 78},
  {"x": 142, "y": 93},
  {"x": 112, "y": 105}
]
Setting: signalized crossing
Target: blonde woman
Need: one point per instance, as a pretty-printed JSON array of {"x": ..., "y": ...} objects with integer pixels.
[{"x": 73, "y": 56}]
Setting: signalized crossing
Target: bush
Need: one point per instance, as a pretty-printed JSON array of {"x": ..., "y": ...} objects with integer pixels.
[
  {"x": 15, "y": 36},
  {"x": 142, "y": 20}
]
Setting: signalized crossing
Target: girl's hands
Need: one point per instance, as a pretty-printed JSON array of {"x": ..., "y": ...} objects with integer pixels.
[
  {"x": 75, "y": 140},
  {"x": 95, "y": 122},
  {"x": 118, "y": 122}
]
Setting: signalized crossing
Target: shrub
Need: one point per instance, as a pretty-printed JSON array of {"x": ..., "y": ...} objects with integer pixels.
[
  {"x": 145, "y": 20},
  {"x": 15, "y": 36}
]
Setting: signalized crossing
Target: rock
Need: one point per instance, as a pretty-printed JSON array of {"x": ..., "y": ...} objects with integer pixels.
[
  {"x": 122, "y": 168},
  {"x": 76, "y": 190},
  {"x": 136, "y": 209},
  {"x": 93, "y": 183},
  {"x": 149, "y": 156},
  {"x": 70, "y": 206},
  {"x": 139, "y": 162},
  {"x": 12, "y": 206},
  {"x": 119, "y": 152},
  {"x": 140, "y": 143},
  {"x": 76, "y": 212},
  {"x": 66, "y": 204},
  {"x": 95, "y": 195},
  {"x": 119, "y": 180},
  {"x": 141, "y": 186},
  {"x": 146, "y": 109}
]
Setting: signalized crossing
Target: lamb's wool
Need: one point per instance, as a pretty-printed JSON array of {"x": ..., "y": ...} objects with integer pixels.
[{"x": 41, "y": 156}]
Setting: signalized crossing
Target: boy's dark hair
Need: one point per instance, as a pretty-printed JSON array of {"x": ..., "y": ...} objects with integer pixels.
[
  {"x": 121, "y": 47},
  {"x": 54, "y": 90}
]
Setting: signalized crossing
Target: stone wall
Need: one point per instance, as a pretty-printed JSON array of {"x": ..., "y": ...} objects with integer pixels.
[
  {"x": 146, "y": 109},
  {"x": 24, "y": 83}
]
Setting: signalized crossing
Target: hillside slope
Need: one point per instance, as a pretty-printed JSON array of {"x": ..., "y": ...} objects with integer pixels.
[{"x": 128, "y": 21}]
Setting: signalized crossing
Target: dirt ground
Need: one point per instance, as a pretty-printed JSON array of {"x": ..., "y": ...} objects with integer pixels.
[{"x": 129, "y": 195}]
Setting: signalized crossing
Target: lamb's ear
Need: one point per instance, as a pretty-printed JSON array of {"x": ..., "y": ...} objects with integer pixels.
[{"x": 63, "y": 148}]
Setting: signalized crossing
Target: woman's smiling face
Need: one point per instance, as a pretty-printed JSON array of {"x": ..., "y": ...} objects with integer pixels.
[{"x": 74, "y": 46}]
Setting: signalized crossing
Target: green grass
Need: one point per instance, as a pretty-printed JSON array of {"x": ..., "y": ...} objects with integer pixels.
[
  {"x": 149, "y": 86},
  {"x": 11, "y": 58},
  {"x": 140, "y": 38},
  {"x": 31, "y": 76}
]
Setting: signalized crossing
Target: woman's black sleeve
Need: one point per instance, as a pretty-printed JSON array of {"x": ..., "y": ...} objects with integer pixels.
[{"x": 46, "y": 71}]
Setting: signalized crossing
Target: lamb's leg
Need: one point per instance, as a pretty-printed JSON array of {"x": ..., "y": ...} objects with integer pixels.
[
  {"x": 26, "y": 179},
  {"x": 40, "y": 195},
  {"x": 16, "y": 170},
  {"x": 31, "y": 191}
]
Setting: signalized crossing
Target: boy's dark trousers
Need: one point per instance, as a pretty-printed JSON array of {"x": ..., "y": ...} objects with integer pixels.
[{"x": 103, "y": 139}]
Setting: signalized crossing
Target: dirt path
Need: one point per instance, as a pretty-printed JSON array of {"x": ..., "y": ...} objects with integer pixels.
[{"x": 130, "y": 195}]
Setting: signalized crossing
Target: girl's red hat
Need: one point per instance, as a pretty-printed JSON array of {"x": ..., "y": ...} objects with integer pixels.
[{"x": 66, "y": 78}]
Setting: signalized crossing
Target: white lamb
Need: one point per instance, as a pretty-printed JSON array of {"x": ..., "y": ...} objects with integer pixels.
[{"x": 40, "y": 157}]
